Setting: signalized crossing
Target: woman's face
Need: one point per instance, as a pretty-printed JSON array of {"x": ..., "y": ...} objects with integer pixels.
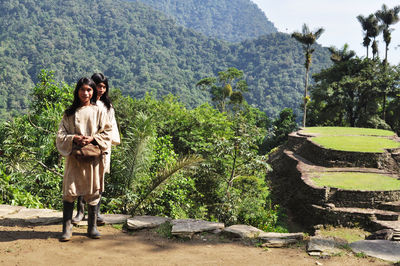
[
  {"x": 101, "y": 89},
  {"x": 85, "y": 93}
]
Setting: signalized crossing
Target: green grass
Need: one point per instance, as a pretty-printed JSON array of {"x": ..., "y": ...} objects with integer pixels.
[
  {"x": 356, "y": 181},
  {"x": 349, "y": 234},
  {"x": 330, "y": 131},
  {"x": 356, "y": 143}
]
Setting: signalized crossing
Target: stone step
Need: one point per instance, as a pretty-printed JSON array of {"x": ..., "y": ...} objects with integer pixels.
[
  {"x": 390, "y": 206},
  {"x": 380, "y": 224},
  {"x": 348, "y": 216},
  {"x": 379, "y": 214}
]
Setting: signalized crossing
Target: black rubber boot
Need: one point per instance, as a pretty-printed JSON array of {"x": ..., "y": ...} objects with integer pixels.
[
  {"x": 92, "y": 222},
  {"x": 100, "y": 218},
  {"x": 68, "y": 208},
  {"x": 80, "y": 207}
]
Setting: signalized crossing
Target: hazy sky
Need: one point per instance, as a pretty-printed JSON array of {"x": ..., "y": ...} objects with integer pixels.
[{"x": 337, "y": 17}]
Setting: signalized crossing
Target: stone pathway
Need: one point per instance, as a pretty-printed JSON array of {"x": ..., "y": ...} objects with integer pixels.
[
  {"x": 383, "y": 249},
  {"x": 18, "y": 215}
]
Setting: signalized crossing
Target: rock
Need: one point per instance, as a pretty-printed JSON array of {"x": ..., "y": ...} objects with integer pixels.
[
  {"x": 318, "y": 227},
  {"x": 34, "y": 216},
  {"x": 278, "y": 242},
  {"x": 6, "y": 210},
  {"x": 324, "y": 245},
  {"x": 115, "y": 218},
  {"x": 142, "y": 222},
  {"x": 384, "y": 234},
  {"x": 270, "y": 239},
  {"x": 314, "y": 253},
  {"x": 382, "y": 249},
  {"x": 188, "y": 227},
  {"x": 242, "y": 231}
]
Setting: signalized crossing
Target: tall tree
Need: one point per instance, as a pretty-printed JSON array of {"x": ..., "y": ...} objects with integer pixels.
[
  {"x": 225, "y": 89},
  {"x": 307, "y": 38},
  {"x": 388, "y": 17},
  {"x": 366, "y": 25},
  {"x": 374, "y": 31},
  {"x": 341, "y": 55}
]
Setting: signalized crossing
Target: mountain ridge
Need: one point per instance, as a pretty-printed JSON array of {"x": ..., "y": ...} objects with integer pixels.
[{"x": 141, "y": 51}]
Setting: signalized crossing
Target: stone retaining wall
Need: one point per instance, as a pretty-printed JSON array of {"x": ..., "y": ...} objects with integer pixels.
[
  {"x": 359, "y": 198},
  {"x": 334, "y": 158},
  {"x": 294, "y": 190}
]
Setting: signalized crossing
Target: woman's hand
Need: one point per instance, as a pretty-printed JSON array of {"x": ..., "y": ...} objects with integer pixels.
[
  {"x": 78, "y": 139},
  {"x": 86, "y": 140},
  {"x": 83, "y": 140}
]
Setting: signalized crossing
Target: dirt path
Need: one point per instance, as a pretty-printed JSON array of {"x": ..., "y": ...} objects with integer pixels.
[{"x": 39, "y": 245}]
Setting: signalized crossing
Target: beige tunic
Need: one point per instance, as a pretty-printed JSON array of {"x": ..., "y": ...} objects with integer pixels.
[
  {"x": 115, "y": 138},
  {"x": 83, "y": 178}
]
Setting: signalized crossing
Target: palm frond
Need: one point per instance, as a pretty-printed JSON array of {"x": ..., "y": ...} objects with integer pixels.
[{"x": 190, "y": 161}]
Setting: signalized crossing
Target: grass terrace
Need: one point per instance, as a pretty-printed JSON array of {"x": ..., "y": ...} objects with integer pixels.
[
  {"x": 353, "y": 139},
  {"x": 356, "y": 181},
  {"x": 337, "y": 131},
  {"x": 356, "y": 143}
]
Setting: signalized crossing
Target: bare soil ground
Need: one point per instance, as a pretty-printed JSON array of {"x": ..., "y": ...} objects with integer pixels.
[{"x": 39, "y": 245}]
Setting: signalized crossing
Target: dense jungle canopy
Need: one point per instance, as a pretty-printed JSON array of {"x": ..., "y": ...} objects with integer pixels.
[{"x": 141, "y": 50}]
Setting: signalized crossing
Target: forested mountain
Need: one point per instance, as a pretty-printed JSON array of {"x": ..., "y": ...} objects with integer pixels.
[
  {"x": 230, "y": 20},
  {"x": 140, "y": 50}
]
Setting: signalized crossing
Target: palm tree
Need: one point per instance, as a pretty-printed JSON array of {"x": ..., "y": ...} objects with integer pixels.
[
  {"x": 366, "y": 25},
  {"x": 307, "y": 38},
  {"x": 374, "y": 31},
  {"x": 342, "y": 55},
  {"x": 388, "y": 17}
]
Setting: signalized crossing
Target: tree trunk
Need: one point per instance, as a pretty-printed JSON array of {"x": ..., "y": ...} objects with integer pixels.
[{"x": 305, "y": 99}]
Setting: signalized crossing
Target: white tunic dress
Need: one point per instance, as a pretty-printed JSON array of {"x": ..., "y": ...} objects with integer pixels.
[
  {"x": 83, "y": 178},
  {"x": 115, "y": 138}
]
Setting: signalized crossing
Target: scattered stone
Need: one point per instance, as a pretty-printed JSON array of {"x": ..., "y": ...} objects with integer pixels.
[
  {"x": 6, "y": 210},
  {"x": 384, "y": 234},
  {"x": 320, "y": 246},
  {"x": 268, "y": 239},
  {"x": 108, "y": 219},
  {"x": 277, "y": 240},
  {"x": 242, "y": 231},
  {"x": 314, "y": 253},
  {"x": 318, "y": 226},
  {"x": 142, "y": 222},
  {"x": 32, "y": 216},
  {"x": 115, "y": 218},
  {"x": 188, "y": 227},
  {"x": 382, "y": 249}
]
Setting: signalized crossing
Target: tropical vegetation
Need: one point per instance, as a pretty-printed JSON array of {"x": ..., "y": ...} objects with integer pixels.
[
  {"x": 142, "y": 51},
  {"x": 172, "y": 161}
]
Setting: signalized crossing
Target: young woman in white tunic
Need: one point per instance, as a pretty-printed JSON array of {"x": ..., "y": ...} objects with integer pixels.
[
  {"x": 104, "y": 102},
  {"x": 83, "y": 123}
]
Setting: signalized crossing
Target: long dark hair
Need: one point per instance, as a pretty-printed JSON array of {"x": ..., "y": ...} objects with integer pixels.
[
  {"x": 77, "y": 102},
  {"x": 100, "y": 78}
]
